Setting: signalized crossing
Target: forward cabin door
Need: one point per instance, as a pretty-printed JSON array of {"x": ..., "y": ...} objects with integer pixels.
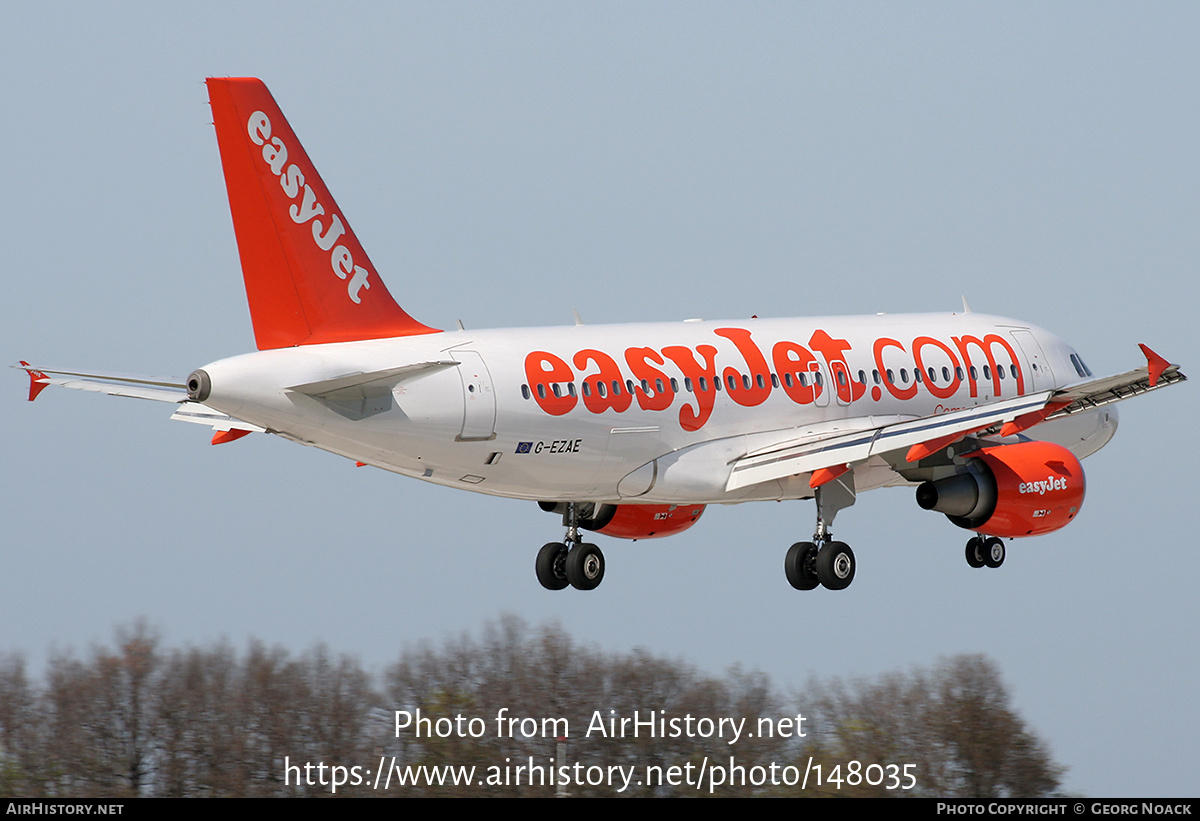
[{"x": 1041, "y": 375}]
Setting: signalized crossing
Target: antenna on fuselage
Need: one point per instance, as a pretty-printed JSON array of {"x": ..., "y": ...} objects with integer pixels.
[
  {"x": 578, "y": 319},
  {"x": 966, "y": 307}
]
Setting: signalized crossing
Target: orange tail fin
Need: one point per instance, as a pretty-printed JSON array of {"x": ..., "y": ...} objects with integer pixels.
[{"x": 308, "y": 279}]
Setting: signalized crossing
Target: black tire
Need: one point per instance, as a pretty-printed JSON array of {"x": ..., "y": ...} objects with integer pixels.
[
  {"x": 835, "y": 565},
  {"x": 798, "y": 565},
  {"x": 993, "y": 552},
  {"x": 585, "y": 566},
  {"x": 551, "y": 566},
  {"x": 975, "y": 552}
]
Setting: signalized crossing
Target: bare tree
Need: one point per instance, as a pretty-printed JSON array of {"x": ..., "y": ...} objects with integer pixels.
[
  {"x": 137, "y": 720},
  {"x": 545, "y": 677},
  {"x": 954, "y": 723},
  {"x": 20, "y": 718}
]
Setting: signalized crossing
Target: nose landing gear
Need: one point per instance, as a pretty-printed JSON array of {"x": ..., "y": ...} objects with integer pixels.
[{"x": 983, "y": 551}]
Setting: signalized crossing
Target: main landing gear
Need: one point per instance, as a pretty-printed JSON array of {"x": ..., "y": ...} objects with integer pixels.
[
  {"x": 831, "y": 565},
  {"x": 823, "y": 561},
  {"x": 572, "y": 561},
  {"x": 983, "y": 551}
]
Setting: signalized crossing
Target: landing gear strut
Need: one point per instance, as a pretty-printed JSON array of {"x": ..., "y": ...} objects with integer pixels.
[
  {"x": 824, "y": 561},
  {"x": 571, "y": 561}
]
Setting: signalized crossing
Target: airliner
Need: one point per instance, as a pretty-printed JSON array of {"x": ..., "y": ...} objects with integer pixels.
[{"x": 632, "y": 430}]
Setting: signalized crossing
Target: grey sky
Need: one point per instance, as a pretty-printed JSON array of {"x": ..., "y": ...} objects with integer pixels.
[{"x": 504, "y": 164}]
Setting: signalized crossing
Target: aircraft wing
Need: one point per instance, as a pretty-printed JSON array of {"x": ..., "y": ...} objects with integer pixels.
[
  {"x": 1095, "y": 393},
  {"x": 154, "y": 388},
  {"x": 826, "y": 452},
  {"x": 826, "y": 456}
]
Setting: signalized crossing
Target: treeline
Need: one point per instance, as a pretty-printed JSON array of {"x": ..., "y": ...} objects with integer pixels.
[{"x": 142, "y": 720}]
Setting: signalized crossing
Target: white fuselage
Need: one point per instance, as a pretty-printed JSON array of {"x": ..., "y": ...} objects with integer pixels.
[{"x": 521, "y": 412}]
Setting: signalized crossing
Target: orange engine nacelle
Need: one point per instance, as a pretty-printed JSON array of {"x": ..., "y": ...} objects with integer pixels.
[
  {"x": 633, "y": 521},
  {"x": 1010, "y": 490},
  {"x": 647, "y": 521}
]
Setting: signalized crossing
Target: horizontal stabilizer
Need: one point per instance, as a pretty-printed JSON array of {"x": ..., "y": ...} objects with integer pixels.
[
  {"x": 373, "y": 383},
  {"x": 155, "y": 388},
  {"x": 201, "y": 414}
]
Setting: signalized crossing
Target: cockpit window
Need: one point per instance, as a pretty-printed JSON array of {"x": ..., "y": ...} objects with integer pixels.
[{"x": 1080, "y": 368}]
